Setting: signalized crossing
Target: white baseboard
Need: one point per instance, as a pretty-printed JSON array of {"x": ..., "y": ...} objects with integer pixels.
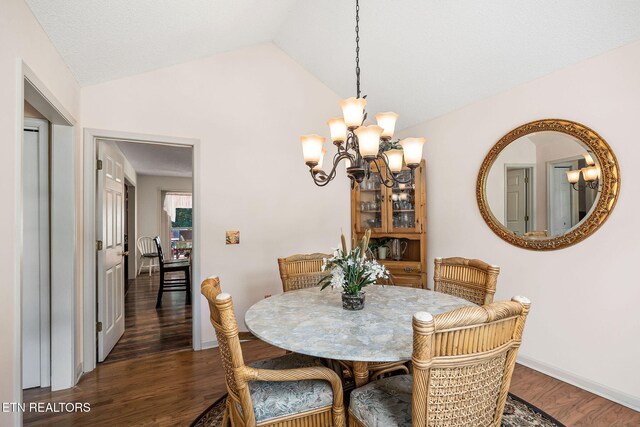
[
  {"x": 79, "y": 369},
  {"x": 209, "y": 344},
  {"x": 617, "y": 396}
]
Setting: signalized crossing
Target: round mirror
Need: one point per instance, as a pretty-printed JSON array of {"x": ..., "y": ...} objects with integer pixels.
[{"x": 548, "y": 184}]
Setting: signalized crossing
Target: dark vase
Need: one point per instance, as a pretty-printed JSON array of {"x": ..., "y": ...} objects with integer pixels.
[{"x": 353, "y": 302}]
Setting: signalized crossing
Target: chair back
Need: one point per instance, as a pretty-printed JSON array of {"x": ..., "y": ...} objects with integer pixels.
[
  {"x": 158, "y": 244},
  {"x": 224, "y": 322},
  {"x": 471, "y": 279},
  {"x": 301, "y": 271},
  {"x": 146, "y": 245},
  {"x": 463, "y": 361},
  {"x": 537, "y": 233}
]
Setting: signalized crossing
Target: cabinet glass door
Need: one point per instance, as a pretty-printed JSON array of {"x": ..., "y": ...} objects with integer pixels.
[
  {"x": 370, "y": 204},
  {"x": 403, "y": 206}
]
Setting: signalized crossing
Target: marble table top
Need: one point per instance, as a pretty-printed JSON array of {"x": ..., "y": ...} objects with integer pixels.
[{"x": 313, "y": 322}]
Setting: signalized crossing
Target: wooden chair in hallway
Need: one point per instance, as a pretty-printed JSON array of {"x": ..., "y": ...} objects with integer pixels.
[
  {"x": 471, "y": 279},
  {"x": 292, "y": 390},
  {"x": 172, "y": 283},
  {"x": 148, "y": 253},
  {"x": 465, "y": 384},
  {"x": 301, "y": 271}
]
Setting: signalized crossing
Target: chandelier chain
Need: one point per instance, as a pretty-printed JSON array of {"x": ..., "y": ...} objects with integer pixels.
[{"x": 358, "y": 48}]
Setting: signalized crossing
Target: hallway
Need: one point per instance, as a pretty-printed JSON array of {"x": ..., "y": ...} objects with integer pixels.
[{"x": 149, "y": 330}]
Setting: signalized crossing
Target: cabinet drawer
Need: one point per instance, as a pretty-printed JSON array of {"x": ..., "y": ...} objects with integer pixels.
[
  {"x": 410, "y": 281},
  {"x": 404, "y": 267}
]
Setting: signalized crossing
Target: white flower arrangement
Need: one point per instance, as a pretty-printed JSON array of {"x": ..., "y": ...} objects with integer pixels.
[{"x": 351, "y": 270}]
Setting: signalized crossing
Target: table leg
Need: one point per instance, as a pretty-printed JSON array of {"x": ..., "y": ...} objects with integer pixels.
[{"x": 360, "y": 373}]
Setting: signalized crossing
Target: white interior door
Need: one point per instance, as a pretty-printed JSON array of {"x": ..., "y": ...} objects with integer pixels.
[
  {"x": 110, "y": 230},
  {"x": 35, "y": 261},
  {"x": 516, "y": 201},
  {"x": 560, "y": 207}
]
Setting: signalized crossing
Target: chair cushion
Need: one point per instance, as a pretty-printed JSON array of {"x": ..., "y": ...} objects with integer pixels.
[
  {"x": 150, "y": 255},
  {"x": 274, "y": 399},
  {"x": 383, "y": 403}
]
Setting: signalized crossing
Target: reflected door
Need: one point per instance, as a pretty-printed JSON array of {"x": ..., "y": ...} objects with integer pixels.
[
  {"x": 560, "y": 207},
  {"x": 516, "y": 201}
]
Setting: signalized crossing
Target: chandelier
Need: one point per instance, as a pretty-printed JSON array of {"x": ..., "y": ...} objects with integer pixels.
[
  {"x": 363, "y": 148},
  {"x": 590, "y": 174}
]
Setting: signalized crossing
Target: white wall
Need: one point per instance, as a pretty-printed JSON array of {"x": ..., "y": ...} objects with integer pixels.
[
  {"x": 584, "y": 320},
  {"x": 21, "y": 37},
  {"x": 248, "y": 109},
  {"x": 150, "y": 203}
]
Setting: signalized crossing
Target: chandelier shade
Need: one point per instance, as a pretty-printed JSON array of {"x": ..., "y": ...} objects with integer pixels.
[
  {"x": 353, "y": 111},
  {"x": 591, "y": 173},
  {"x": 369, "y": 140},
  {"x": 573, "y": 176},
  {"x": 312, "y": 148},
  {"x": 338, "y": 129},
  {"x": 588, "y": 159},
  {"x": 319, "y": 165},
  {"x": 412, "y": 148},
  {"x": 387, "y": 121},
  {"x": 394, "y": 158}
]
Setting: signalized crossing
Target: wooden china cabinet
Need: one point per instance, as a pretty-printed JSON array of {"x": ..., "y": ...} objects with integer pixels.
[{"x": 395, "y": 213}]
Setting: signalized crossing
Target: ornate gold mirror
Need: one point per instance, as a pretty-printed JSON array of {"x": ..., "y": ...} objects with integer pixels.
[{"x": 548, "y": 184}]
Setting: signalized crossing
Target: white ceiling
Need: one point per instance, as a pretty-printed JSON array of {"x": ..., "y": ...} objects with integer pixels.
[
  {"x": 420, "y": 58},
  {"x": 103, "y": 40},
  {"x": 157, "y": 159}
]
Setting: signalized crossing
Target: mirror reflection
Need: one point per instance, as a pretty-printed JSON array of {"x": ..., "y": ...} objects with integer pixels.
[{"x": 543, "y": 184}]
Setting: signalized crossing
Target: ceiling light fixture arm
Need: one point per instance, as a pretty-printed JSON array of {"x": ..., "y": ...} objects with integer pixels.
[
  {"x": 320, "y": 177},
  {"x": 594, "y": 185},
  {"x": 390, "y": 179}
]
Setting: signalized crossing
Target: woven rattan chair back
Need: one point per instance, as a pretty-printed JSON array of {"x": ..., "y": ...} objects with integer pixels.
[
  {"x": 224, "y": 322},
  {"x": 463, "y": 361},
  {"x": 471, "y": 279},
  {"x": 301, "y": 271},
  {"x": 537, "y": 233}
]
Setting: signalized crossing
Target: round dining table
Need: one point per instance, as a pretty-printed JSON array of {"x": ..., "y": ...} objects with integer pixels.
[{"x": 313, "y": 322}]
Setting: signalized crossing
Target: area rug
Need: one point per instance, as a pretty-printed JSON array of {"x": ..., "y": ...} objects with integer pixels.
[{"x": 517, "y": 413}]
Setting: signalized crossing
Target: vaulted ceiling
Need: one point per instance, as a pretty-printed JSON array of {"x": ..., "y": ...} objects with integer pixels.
[{"x": 420, "y": 58}]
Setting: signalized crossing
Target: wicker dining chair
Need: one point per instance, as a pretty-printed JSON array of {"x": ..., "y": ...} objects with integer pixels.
[
  {"x": 463, "y": 361},
  {"x": 471, "y": 279},
  {"x": 301, "y": 271},
  {"x": 293, "y": 390}
]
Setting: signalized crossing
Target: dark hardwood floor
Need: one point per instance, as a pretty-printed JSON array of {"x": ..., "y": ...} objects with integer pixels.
[
  {"x": 172, "y": 389},
  {"x": 149, "y": 330}
]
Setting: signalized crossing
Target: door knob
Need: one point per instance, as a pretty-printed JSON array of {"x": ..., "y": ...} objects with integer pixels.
[{"x": 125, "y": 253}]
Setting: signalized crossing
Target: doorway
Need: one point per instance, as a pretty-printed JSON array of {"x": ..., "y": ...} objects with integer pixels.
[
  {"x": 46, "y": 237},
  {"x": 561, "y": 199},
  {"x": 519, "y": 190},
  {"x": 137, "y": 328}
]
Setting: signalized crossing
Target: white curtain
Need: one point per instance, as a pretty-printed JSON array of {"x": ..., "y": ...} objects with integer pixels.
[{"x": 176, "y": 200}]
